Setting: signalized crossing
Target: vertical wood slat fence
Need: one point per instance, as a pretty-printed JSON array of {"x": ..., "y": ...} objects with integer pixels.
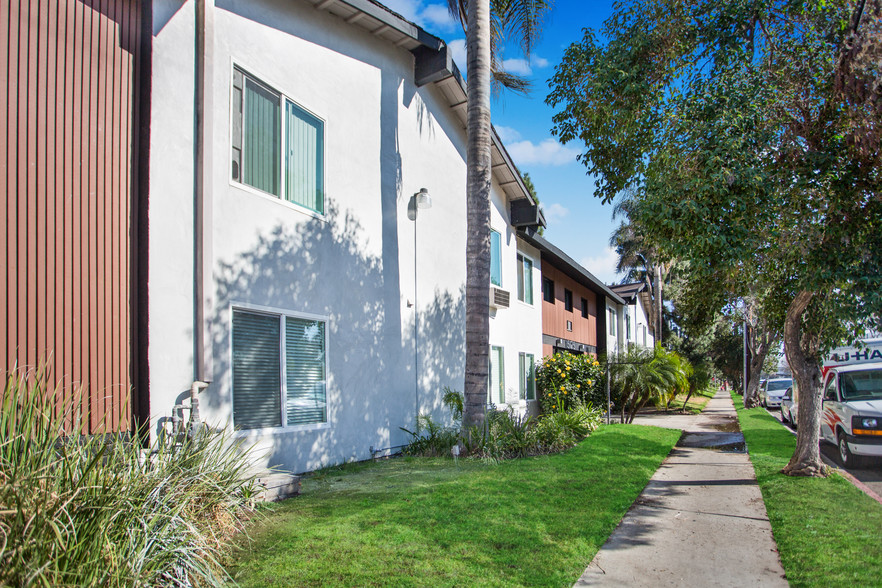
[{"x": 68, "y": 147}]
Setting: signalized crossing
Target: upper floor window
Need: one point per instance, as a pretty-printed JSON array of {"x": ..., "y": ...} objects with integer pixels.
[
  {"x": 612, "y": 321},
  {"x": 495, "y": 258},
  {"x": 568, "y": 300},
  {"x": 628, "y": 326},
  {"x": 584, "y": 308},
  {"x": 525, "y": 279},
  {"x": 548, "y": 290},
  {"x": 277, "y": 146}
]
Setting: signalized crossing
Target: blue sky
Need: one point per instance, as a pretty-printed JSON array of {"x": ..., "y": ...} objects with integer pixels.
[{"x": 577, "y": 222}]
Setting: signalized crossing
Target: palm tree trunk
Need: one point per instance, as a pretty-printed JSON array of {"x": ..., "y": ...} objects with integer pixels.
[{"x": 478, "y": 211}]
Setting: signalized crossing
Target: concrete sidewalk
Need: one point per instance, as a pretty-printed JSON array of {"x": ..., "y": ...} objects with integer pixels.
[{"x": 700, "y": 521}]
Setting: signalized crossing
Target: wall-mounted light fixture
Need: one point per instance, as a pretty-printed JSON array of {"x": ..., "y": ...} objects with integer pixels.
[{"x": 418, "y": 201}]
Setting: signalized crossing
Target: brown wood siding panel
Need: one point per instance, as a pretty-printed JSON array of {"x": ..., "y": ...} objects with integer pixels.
[
  {"x": 67, "y": 146},
  {"x": 5, "y": 351},
  {"x": 555, "y": 317}
]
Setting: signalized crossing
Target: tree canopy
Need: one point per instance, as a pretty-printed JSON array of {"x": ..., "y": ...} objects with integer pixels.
[{"x": 749, "y": 132}]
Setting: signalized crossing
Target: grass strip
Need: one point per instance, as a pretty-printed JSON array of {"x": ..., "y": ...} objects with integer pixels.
[
  {"x": 696, "y": 403},
  {"x": 827, "y": 531},
  {"x": 430, "y": 522}
]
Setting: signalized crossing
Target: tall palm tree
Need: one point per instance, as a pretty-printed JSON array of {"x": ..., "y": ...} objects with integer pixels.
[
  {"x": 639, "y": 260},
  {"x": 487, "y": 24}
]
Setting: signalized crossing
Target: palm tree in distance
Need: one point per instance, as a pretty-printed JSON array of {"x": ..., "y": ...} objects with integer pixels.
[
  {"x": 487, "y": 24},
  {"x": 639, "y": 260}
]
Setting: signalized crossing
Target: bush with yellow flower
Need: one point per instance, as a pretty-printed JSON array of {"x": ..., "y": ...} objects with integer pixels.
[{"x": 565, "y": 379}]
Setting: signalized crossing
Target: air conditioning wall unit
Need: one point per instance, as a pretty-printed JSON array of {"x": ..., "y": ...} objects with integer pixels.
[{"x": 499, "y": 298}]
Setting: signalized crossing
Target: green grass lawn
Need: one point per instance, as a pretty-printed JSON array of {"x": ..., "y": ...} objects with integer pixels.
[
  {"x": 696, "y": 403},
  {"x": 829, "y": 533},
  {"x": 428, "y": 522}
]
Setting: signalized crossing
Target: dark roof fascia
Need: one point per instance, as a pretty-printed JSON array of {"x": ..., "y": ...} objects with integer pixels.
[
  {"x": 395, "y": 21},
  {"x": 569, "y": 266},
  {"x": 631, "y": 296}
]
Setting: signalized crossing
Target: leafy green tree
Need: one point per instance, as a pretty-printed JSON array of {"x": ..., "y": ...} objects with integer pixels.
[
  {"x": 749, "y": 130},
  {"x": 487, "y": 24}
]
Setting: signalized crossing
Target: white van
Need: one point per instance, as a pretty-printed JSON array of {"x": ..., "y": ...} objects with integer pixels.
[{"x": 851, "y": 415}]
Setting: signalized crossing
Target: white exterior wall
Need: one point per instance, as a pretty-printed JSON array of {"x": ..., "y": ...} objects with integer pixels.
[
  {"x": 170, "y": 220},
  {"x": 614, "y": 343},
  {"x": 364, "y": 266},
  {"x": 518, "y": 328},
  {"x": 641, "y": 320}
]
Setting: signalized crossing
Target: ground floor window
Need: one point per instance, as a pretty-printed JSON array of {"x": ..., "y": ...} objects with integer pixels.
[
  {"x": 279, "y": 370},
  {"x": 496, "y": 390},
  {"x": 528, "y": 376}
]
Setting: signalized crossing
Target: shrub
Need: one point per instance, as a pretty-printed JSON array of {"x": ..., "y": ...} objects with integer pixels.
[
  {"x": 79, "y": 510},
  {"x": 505, "y": 434},
  {"x": 563, "y": 379},
  {"x": 430, "y": 439}
]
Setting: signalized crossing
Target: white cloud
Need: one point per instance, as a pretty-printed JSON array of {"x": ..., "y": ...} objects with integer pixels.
[
  {"x": 555, "y": 212},
  {"x": 507, "y": 134},
  {"x": 602, "y": 265},
  {"x": 458, "y": 51},
  {"x": 522, "y": 67},
  {"x": 439, "y": 17},
  {"x": 548, "y": 152},
  {"x": 433, "y": 17}
]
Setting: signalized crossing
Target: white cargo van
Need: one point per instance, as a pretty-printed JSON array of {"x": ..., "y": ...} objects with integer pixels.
[{"x": 851, "y": 416}]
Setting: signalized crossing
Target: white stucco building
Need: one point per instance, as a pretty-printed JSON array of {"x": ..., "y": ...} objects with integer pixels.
[
  {"x": 631, "y": 320},
  {"x": 294, "y": 264}
]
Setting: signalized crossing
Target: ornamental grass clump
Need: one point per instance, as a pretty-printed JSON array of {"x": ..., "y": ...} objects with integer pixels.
[
  {"x": 97, "y": 510},
  {"x": 565, "y": 380}
]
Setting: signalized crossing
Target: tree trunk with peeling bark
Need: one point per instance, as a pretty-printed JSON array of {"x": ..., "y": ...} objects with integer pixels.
[
  {"x": 802, "y": 353},
  {"x": 760, "y": 341},
  {"x": 478, "y": 213}
]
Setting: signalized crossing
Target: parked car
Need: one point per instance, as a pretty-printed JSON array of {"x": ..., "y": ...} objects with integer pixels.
[
  {"x": 773, "y": 390},
  {"x": 788, "y": 408}
]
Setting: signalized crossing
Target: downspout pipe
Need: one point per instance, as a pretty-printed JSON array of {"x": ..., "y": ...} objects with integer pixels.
[{"x": 202, "y": 201}]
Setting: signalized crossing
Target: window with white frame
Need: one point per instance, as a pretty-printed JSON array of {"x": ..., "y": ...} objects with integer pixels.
[
  {"x": 495, "y": 258},
  {"x": 496, "y": 390},
  {"x": 277, "y": 146},
  {"x": 279, "y": 370},
  {"x": 612, "y": 321},
  {"x": 525, "y": 279},
  {"x": 528, "y": 376},
  {"x": 627, "y": 326}
]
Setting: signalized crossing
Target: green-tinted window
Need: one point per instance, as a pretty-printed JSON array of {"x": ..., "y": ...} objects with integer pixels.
[
  {"x": 262, "y": 133},
  {"x": 305, "y": 398},
  {"x": 495, "y": 258},
  {"x": 256, "y": 371},
  {"x": 304, "y": 158},
  {"x": 496, "y": 389},
  {"x": 525, "y": 279},
  {"x": 528, "y": 376},
  {"x": 261, "y": 140},
  {"x": 262, "y": 345}
]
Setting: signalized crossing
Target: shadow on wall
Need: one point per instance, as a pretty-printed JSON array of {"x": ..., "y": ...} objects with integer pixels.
[{"x": 320, "y": 267}]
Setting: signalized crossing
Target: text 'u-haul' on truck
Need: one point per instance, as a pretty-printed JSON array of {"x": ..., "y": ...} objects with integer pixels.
[{"x": 851, "y": 415}]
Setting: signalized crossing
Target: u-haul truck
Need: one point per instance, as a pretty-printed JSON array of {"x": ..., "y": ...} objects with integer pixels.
[{"x": 851, "y": 415}]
